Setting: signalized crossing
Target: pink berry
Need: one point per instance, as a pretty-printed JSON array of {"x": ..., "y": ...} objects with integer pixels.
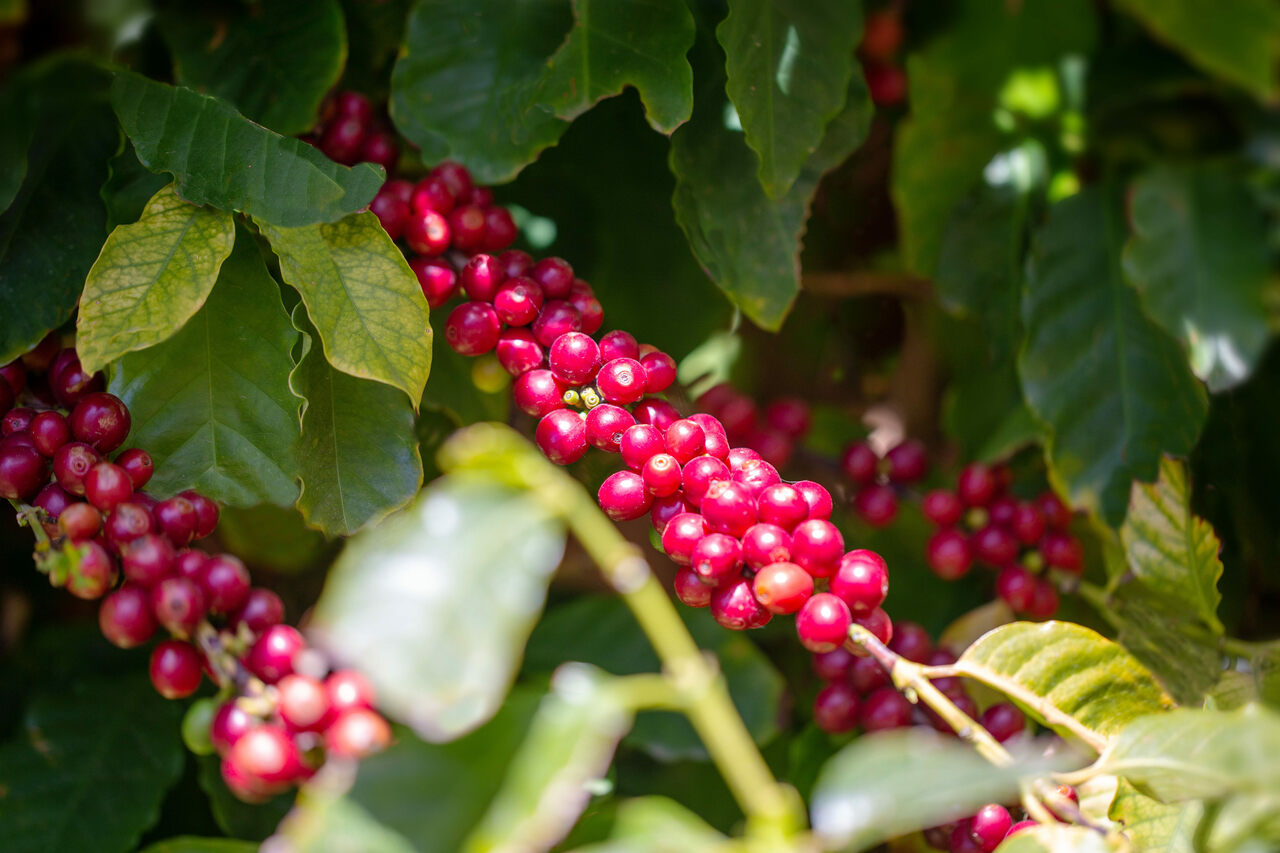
[
  {"x": 660, "y": 371},
  {"x": 437, "y": 279},
  {"x": 716, "y": 558},
  {"x": 639, "y": 443},
  {"x": 271, "y": 657},
  {"x": 949, "y": 555},
  {"x": 125, "y": 617},
  {"x": 782, "y": 504},
  {"x": 302, "y": 702},
  {"x": 835, "y": 708},
  {"x": 473, "y": 328},
  {"x": 659, "y": 413},
  {"x": 878, "y": 623},
  {"x": 690, "y": 590},
  {"x": 562, "y": 436},
  {"x": 763, "y": 544},
  {"x": 728, "y": 508},
  {"x": 538, "y": 392},
  {"x": 107, "y": 485},
  {"x": 347, "y": 690},
  {"x": 662, "y": 474},
  {"x": 606, "y": 425},
  {"x": 176, "y": 668},
  {"x": 148, "y": 559},
  {"x": 481, "y": 276},
  {"x": 555, "y": 275},
  {"x": 518, "y": 301},
  {"x": 230, "y": 722},
  {"x": 225, "y": 581},
  {"x": 555, "y": 319},
  {"x": 427, "y": 232},
  {"x": 734, "y": 606},
  {"x": 623, "y": 496},
  {"x": 358, "y": 733},
  {"x": 621, "y": 381},
  {"x": 178, "y": 604},
  {"x": 861, "y": 581},
  {"x": 519, "y": 351},
  {"x": 877, "y": 504},
  {"x": 817, "y": 546},
  {"x": 698, "y": 474},
  {"x": 989, "y": 826},
  {"x": 783, "y": 587},
  {"x": 860, "y": 463},
  {"x": 823, "y": 622},
  {"x": 574, "y": 358},
  {"x": 499, "y": 229},
  {"x": 977, "y": 485},
  {"x": 262, "y": 609},
  {"x": 908, "y": 462},
  {"x": 941, "y": 507},
  {"x": 818, "y": 498},
  {"x": 883, "y": 709},
  {"x": 619, "y": 344},
  {"x": 757, "y": 475},
  {"x": 681, "y": 535}
]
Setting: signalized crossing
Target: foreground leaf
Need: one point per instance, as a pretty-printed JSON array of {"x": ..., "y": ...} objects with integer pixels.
[
  {"x": 1154, "y": 826},
  {"x": 219, "y": 158},
  {"x": 150, "y": 278},
  {"x": 212, "y": 403},
  {"x": 1059, "y": 838},
  {"x": 192, "y": 844},
  {"x": 90, "y": 767},
  {"x": 324, "y": 823},
  {"x": 1068, "y": 677},
  {"x": 1110, "y": 383},
  {"x": 361, "y": 297},
  {"x": 657, "y": 825},
  {"x": 412, "y": 583}
]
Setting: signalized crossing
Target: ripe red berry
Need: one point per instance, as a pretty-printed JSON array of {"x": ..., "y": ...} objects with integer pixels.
[
  {"x": 176, "y": 518},
  {"x": 942, "y": 507},
  {"x": 757, "y": 475},
  {"x": 623, "y": 496},
  {"x": 499, "y": 229},
  {"x": 437, "y": 279},
  {"x": 590, "y": 310},
  {"x": 230, "y": 722},
  {"x": 380, "y": 148},
  {"x": 606, "y": 425},
  {"x": 1028, "y": 523},
  {"x": 994, "y": 545},
  {"x": 190, "y": 564},
  {"x": 639, "y": 443},
  {"x": 1062, "y": 551},
  {"x": 911, "y": 641},
  {"x": 823, "y": 622},
  {"x": 49, "y": 431},
  {"x": 698, "y": 474},
  {"x": 1016, "y": 586},
  {"x": 1055, "y": 512},
  {"x": 783, "y": 587},
  {"x": 392, "y": 212},
  {"x": 125, "y": 617},
  {"x": 884, "y": 708},
  {"x": 908, "y": 462},
  {"x": 716, "y": 558},
  {"x": 271, "y": 657},
  {"x": 574, "y": 358},
  {"x": 178, "y": 604},
  {"x": 357, "y": 734},
  {"x": 262, "y": 609},
  {"x": 1044, "y": 600},
  {"x": 93, "y": 573},
  {"x": 868, "y": 675},
  {"x": 877, "y": 504},
  {"x": 555, "y": 275},
  {"x": 79, "y": 522},
  {"x": 473, "y": 328},
  {"x": 225, "y": 582},
  {"x": 878, "y": 623},
  {"x": 619, "y": 344},
  {"x": 175, "y": 669},
  {"x": 303, "y": 702},
  {"x": 148, "y": 559},
  {"x": 681, "y": 535},
  {"x": 661, "y": 474},
  {"x": 206, "y": 512},
  {"x": 538, "y": 393},
  {"x": 887, "y": 84},
  {"x": 860, "y": 463},
  {"x": 348, "y": 689},
  {"x": 427, "y": 232},
  {"x": 1003, "y": 721},
  {"x": 734, "y": 606},
  {"x": 562, "y": 436},
  {"x": 817, "y": 546},
  {"x": 101, "y": 421},
  {"x": 782, "y": 504},
  {"x": 835, "y": 708},
  {"x": 949, "y": 554},
  {"x": 861, "y": 581},
  {"x": 818, "y": 498},
  {"x": 432, "y": 193},
  {"x": 556, "y": 318},
  {"x": 729, "y": 508},
  {"x": 267, "y": 757},
  {"x": 1020, "y": 826},
  {"x": 107, "y": 485},
  {"x": 690, "y": 590},
  {"x": 659, "y": 413},
  {"x": 835, "y": 665},
  {"x": 660, "y": 371},
  {"x": 764, "y": 544},
  {"x": 127, "y": 522},
  {"x": 518, "y": 301},
  {"x": 481, "y": 277},
  {"x": 22, "y": 472},
  {"x": 138, "y": 465},
  {"x": 518, "y": 351},
  {"x": 664, "y": 509},
  {"x": 977, "y": 485}
]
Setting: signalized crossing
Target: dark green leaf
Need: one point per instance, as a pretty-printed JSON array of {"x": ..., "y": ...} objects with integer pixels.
[
  {"x": 129, "y": 188},
  {"x": 361, "y": 297},
  {"x": 90, "y": 768},
  {"x": 1154, "y": 826},
  {"x": 1198, "y": 257},
  {"x": 985, "y": 412},
  {"x": 15, "y": 136},
  {"x": 274, "y": 61},
  {"x": 789, "y": 65},
  {"x": 1111, "y": 385},
  {"x": 212, "y": 404},
  {"x": 375, "y": 32},
  {"x": 412, "y": 583},
  {"x": 274, "y": 538},
  {"x": 220, "y": 158},
  {"x": 358, "y": 457},
  {"x": 192, "y": 844},
  {"x": 252, "y": 821},
  {"x": 657, "y": 825},
  {"x": 150, "y": 278},
  {"x": 451, "y": 390}
]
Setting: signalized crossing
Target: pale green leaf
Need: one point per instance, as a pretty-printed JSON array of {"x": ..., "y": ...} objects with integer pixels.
[
  {"x": 1060, "y": 838},
  {"x": 1154, "y": 826},
  {"x": 658, "y": 825}
]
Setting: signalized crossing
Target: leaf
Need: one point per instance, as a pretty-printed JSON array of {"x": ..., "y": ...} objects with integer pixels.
[
  {"x": 1198, "y": 258},
  {"x": 90, "y": 767},
  {"x": 274, "y": 61},
  {"x": 569, "y": 744},
  {"x": 327, "y": 823},
  {"x": 954, "y": 87},
  {"x": 150, "y": 278},
  {"x": 1151, "y": 626},
  {"x": 789, "y": 65},
  {"x": 1060, "y": 838},
  {"x": 1111, "y": 385},
  {"x": 658, "y": 825},
  {"x": 412, "y": 583},
  {"x": 192, "y": 844},
  {"x": 748, "y": 243},
  {"x": 15, "y": 136},
  {"x": 1191, "y": 754},
  {"x": 273, "y": 538},
  {"x": 870, "y": 791},
  {"x": 362, "y": 298},
  {"x": 1154, "y": 826},
  {"x": 451, "y": 391},
  {"x": 1068, "y": 677},
  {"x": 129, "y": 188},
  {"x": 219, "y": 158},
  {"x": 986, "y": 413},
  {"x": 1169, "y": 548},
  {"x": 212, "y": 403},
  {"x": 1240, "y": 45},
  {"x": 252, "y": 821},
  {"x": 358, "y": 457}
]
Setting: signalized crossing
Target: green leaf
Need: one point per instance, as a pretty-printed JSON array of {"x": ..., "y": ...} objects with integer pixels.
[
  {"x": 1150, "y": 625},
  {"x": 1154, "y": 826},
  {"x": 412, "y": 583},
  {"x": 1169, "y": 548},
  {"x": 15, "y": 136},
  {"x": 1191, "y": 754},
  {"x": 658, "y": 825},
  {"x": 1060, "y": 838},
  {"x": 1111, "y": 385},
  {"x": 955, "y": 83},
  {"x": 273, "y": 538},
  {"x": 150, "y": 278},
  {"x": 252, "y": 821},
  {"x": 871, "y": 790},
  {"x": 570, "y": 743},
  {"x": 358, "y": 457},
  {"x": 789, "y": 65},
  {"x": 192, "y": 844},
  {"x": 452, "y": 392},
  {"x": 327, "y": 823},
  {"x": 90, "y": 767},
  {"x": 1198, "y": 256},
  {"x": 212, "y": 403},
  {"x": 274, "y": 61},
  {"x": 1240, "y": 43},
  {"x": 362, "y": 298},
  {"x": 485, "y": 83},
  {"x": 1068, "y": 677},
  {"x": 129, "y": 188},
  {"x": 219, "y": 158},
  {"x": 984, "y": 411},
  {"x": 748, "y": 243}
]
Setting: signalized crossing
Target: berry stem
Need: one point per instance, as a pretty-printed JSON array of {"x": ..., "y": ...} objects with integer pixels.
[{"x": 30, "y": 516}]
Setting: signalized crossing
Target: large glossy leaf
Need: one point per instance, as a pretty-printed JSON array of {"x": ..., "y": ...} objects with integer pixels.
[
  {"x": 362, "y": 298},
  {"x": 870, "y": 791},
  {"x": 789, "y": 66},
  {"x": 1198, "y": 256},
  {"x": 130, "y": 187},
  {"x": 493, "y": 83},
  {"x": 1241, "y": 44},
  {"x": 272, "y": 537},
  {"x": 1112, "y": 386},
  {"x": 212, "y": 404},
  {"x": 1070, "y": 678},
  {"x": 748, "y": 243},
  {"x": 1154, "y": 826},
  {"x": 955, "y": 82},
  {"x": 150, "y": 278},
  {"x": 89, "y": 768},
  {"x": 657, "y": 825},
  {"x": 358, "y": 457},
  {"x": 413, "y": 583},
  {"x": 274, "y": 61},
  {"x": 194, "y": 844},
  {"x": 219, "y": 158},
  {"x": 1190, "y": 754},
  {"x": 1169, "y": 548},
  {"x": 15, "y": 136}
]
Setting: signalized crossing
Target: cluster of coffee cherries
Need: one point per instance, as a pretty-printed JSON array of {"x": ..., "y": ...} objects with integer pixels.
[
  {"x": 1023, "y": 540},
  {"x": 878, "y": 480},
  {"x": 880, "y": 50},
  {"x": 350, "y": 132},
  {"x": 773, "y": 432},
  {"x": 110, "y": 539},
  {"x": 987, "y": 828}
]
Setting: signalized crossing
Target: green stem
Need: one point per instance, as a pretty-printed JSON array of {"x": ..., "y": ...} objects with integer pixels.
[{"x": 30, "y": 516}]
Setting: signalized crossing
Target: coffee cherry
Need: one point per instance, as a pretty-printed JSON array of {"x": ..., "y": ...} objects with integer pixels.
[
  {"x": 619, "y": 344},
  {"x": 1028, "y": 524},
  {"x": 690, "y": 590},
  {"x": 716, "y": 558},
  {"x": 176, "y": 518},
  {"x": 911, "y": 641},
  {"x": 499, "y": 229},
  {"x": 878, "y": 623},
  {"x": 887, "y": 84},
  {"x": 656, "y": 412},
  {"x": 348, "y": 689},
  {"x": 574, "y": 358},
  {"x": 267, "y": 756},
  {"x": 437, "y": 279},
  {"x": 432, "y": 193},
  {"x": 148, "y": 559},
  {"x": 107, "y": 485},
  {"x": 961, "y": 841},
  {"x": 606, "y": 424},
  {"x": 392, "y": 212},
  {"x": 977, "y": 485},
  {"x": 659, "y": 371},
  {"x": 589, "y": 309},
  {"x": 49, "y": 431},
  {"x": 868, "y": 675},
  {"x": 1062, "y": 551},
  {"x": 72, "y": 463},
  {"x": 178, "y": 605},
  {"x": 835, "y": 708},
  {"x": 681, "y": 535},
  {"x": 882, "y": 36},
  {"x": 262, "y": 609},
  {"x": 639, "y": 444},
  {"x": 127, "y": 522},
  {"x": 995, "y": 546},
  {"x": 860, "y": 463},
  {"x": 661, "y": 474},
  {"x": 949, "y": 555},
  {"x": 941, "y": 507},
  {"x": 1044, "y": 600},
  {"x": 427, "y": 232},
  {"x": 190, "y": 563},
  {"x": 698, "y": 474},
  {"x": 80, "y": 521},
  {"x": 662, "y": 510},
  {"x": 230, "y": 723},
  {"x": 1056, "y": 514},
  {"x": 175, "y": 669},
  {"x": 271, "y": 657},
  {"x": 817, "y": 497},
  {"x": 908, "y": 462},
  {"x": 138, "y": 465},
  {"x": 877, "y": 504},
  {"x": 481, "y": 277},
  {"x": 72, "y": 382},
  {"x": 1020, "y": 826},
  {"x": 685, "y": 440},
  {"x": 764, "y": 544},
  {"x": 823, "y": 622},
  {"x": 357, "y": 734},
  {"x": 555, "y": 275},
  {"x": 782, "y": 504},
  {"x": 1001, "y": 511},
  {"x": 518, "y": 301},
  {"x": 302, "y": 702},
  {"x": 884, "y": 708},
  {"x": 861, "y": 581},
  {"x": 101, "y": 421},
  {"x": 538, "y": 393},
  {"x": 734, "y": 606},
  {"x": 53, "y": 499},
  {"x": 817, "y": 546},
  {"x": 728, "y": 508},
  {"x": 835, "y": 665},
  {"x": 1016, "y": 586},
  {"x": 623, "y": 496},
  {"x": 1003, "y": 721},
  {"x": 556, "y": 318},
  {"x": 473, "y": 328},
  {"x": 757, "y": 475},
  {"x": 93, "y": 573},
  {"x": 22, "y": 472},
  {"x": 125, "y": 617},
  {"x": 562, "y": 436},
  {"x": 342, "y": 138},
  {"x": 783, "y": 587},
  {"x": 225, "y": 582},
  {"x": 518, "y": 351}
]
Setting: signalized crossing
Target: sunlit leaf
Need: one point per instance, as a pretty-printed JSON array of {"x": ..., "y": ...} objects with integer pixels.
[
  {"x": 1154, "y": 826},
  {"x": 657, "y": 825},
  {"x": 1060, "y": 838}
]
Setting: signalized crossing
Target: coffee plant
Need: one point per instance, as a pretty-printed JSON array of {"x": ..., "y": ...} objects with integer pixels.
[{"x": 602, "y": 425}]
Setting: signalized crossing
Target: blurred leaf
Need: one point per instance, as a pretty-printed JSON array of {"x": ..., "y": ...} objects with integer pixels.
[
  {"x": 1154, "y": 826},
  {"x": 1151, "y": 626},
  {"x": 1241, "y": 43},
  {"x": 1198, "y": 259},
  {"x": 485, "y": 83},
  {"x": 570, "y": 743},
  {"x": 697, "y": 785},
  {"x": 789, "y": 65},
  {"x": 1069, "y": 678},
  {"x": 1060, "y": 838},
  {"x": 985, "y": 412},
  {"x": 274, "y": 538},
  {"x": 1245, "y": 823},
  {"x": 192, "y": 844},
  {"x": 1111, "y": 385},
  {"x": 710, "y": 363},
  {"x": 358, "y": 457},
  {"x": 375, "y": 32},
  {"x": 212, "y": 403},
  {"x": 413, "y": 583},
  {"x": 90, "y": 767},
  {"x": 451, "y": 391},
  {"x": 362, "y": 298},
  {"x": 871, "y": 790},
  {"x": 274, "y": 61},
  {"x": 129, "y": 188},
  {"x": 150, "y": 278},
  {"x": 657, "y": 825},
  {"x": 323, "y": 823},
  {"x": 15, "y": 136},
  {"x": 220, "y": 158},
  {"x": 966, "y": 630},
  {"x": 251, "y": 821}
]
